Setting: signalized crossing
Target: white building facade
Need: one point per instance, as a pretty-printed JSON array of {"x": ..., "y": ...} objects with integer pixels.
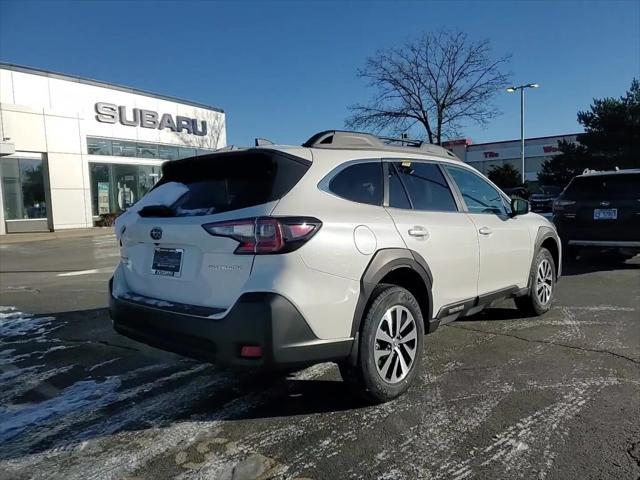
[
  {"x": 484, "y": 156},
  {"x": 74, "y": 150}
]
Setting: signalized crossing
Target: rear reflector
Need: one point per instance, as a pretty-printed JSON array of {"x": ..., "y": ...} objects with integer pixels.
[
  {"x": 265, "y": 235},
  {"x": 251, "y": 351}
]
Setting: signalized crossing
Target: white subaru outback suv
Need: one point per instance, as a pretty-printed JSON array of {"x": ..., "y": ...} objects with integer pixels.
[{"x": 346, "y": 249}]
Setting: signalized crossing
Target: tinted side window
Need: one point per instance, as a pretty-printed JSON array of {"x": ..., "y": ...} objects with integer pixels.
[
  {"x": 397, "y": 194},
  {"x": 479, "y": 195},
  {"x": 361, "y": 182},
  {"x": 427, "y": 188}
]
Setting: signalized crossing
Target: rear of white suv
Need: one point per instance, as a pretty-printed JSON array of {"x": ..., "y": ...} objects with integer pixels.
[
  {"x": 210, "y": 276},
  {"x": 344, "y": 250}
]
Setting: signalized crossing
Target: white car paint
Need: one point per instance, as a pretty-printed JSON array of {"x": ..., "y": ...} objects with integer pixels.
[{"x": 322, "y": 278}]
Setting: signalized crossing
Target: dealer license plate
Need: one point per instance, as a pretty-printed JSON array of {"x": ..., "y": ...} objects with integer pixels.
[
  {"x": 167, "y": 262},
  {"x": 605, "y": 214}
]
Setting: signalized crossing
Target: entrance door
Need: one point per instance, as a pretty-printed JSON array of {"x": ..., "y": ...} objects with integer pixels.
[
  {"x": 505, "y": 246},
  {"x": 430, "y": 222}
]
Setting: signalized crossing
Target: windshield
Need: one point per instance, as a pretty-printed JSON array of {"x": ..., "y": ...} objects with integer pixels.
[{"x": 550, "y": 190}]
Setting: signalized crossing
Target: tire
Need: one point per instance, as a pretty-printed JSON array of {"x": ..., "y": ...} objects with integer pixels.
[
  {"x": 543, "y": 272},
  {"x": 392, "y": 374}
]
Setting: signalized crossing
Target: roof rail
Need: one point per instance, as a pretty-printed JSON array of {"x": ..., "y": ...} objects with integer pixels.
[
  {"x": 340, "y": 139},
  {"x": 261, "y": 142}
]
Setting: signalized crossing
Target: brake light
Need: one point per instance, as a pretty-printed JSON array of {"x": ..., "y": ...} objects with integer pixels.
[
  {"x": 265, "y": 235},
  {"x": 559, "y": 205}
]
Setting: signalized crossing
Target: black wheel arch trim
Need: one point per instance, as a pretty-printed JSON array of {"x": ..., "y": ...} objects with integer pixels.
[
  {"x": 381, "y": 263},
  {"x": 543, "y": 234}
]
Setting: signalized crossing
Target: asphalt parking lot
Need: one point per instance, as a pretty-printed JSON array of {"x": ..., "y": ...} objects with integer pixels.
[{"x": 499, "y": 396}]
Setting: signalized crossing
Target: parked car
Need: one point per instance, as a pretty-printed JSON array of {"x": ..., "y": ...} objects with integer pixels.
[
  {"x": 517, "y": 192},
  {"x": 346, "y": 249},
  {"x": 542, "y": 200},
  {"x": 600, "y": 210}
]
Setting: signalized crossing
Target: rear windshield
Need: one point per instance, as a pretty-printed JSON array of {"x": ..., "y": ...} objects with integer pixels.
[
  {"x": 618, "y": 186},
  {"x": 232, "y": 180}
]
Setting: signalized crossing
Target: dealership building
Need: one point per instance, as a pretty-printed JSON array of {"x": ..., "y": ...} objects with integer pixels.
[
  {"x": 73, "y": 150},
  {"x": 484, "y": 156}
]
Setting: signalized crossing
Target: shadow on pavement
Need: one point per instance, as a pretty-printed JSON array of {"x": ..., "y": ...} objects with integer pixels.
[
  {"x": 589, "y": 262},
  {"x": 67, "y": 377},
  {"x": 496, "y": 314}
]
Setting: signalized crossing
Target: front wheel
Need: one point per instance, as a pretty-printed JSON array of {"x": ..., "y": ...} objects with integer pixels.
[
  {"x": 542, "y": 283},
  {"x": 390, "y": 350}
]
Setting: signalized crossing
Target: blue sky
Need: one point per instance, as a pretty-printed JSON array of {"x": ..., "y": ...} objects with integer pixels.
[{"x": 284, "y": 70}]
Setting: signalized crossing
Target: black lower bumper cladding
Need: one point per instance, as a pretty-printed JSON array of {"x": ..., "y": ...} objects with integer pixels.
[{"x": 267, "y": 320}]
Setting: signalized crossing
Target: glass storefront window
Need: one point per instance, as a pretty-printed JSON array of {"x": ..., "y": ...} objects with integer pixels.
[
  {"x": 148, "y": 176},
  {"x": 167, "y": 152},
  {"x": 116, "y": 187},
  {"x": 147, "y": 150},
  {"x": 186, "y": 152},
  {"x": 23, "y": 188},
  {"x": 100, "y": 189},
  {"x": 126, "y": 185},
  {"x": 124, "y": 149},
  {"x": 99, "y": 146}
]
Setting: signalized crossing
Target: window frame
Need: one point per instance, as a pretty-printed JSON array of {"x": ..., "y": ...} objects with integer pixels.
[
  {"x": 460, "y": 206},
  {"x": 452, "y": 182},
  {"x": 324, "y": 184}
]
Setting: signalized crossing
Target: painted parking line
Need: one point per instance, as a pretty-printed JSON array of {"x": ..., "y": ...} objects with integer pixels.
[{"x": 86, "y": 272}]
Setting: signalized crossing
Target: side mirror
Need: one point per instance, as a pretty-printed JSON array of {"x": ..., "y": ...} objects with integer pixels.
[{"x": 519, "y": 206}]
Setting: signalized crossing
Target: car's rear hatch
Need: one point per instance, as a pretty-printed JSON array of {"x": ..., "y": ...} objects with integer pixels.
[
  {"x": 606, "y": 208},
  {"x": 168, "y": 253}
]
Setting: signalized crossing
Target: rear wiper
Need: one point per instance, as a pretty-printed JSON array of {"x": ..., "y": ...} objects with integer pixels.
[{"x": 157, "y": 211}]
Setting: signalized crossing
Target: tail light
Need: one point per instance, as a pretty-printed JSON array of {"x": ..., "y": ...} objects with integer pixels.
[
  {"x": 560, "y": 205},
  {"x": 265, "y": 235}
]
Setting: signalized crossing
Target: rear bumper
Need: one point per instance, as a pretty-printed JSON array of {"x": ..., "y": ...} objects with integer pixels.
[{"x": 265, "y": 319}]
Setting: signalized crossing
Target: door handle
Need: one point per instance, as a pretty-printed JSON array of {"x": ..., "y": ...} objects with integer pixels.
[
  {"x": 418, "y": 232},
  {"x": 485, "y": 231}
]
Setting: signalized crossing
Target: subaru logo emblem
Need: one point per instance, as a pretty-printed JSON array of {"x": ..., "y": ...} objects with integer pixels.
[{"x": 156, "y": 233}]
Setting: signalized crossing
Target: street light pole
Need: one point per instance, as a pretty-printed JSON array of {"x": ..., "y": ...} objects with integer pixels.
[
  {"x": 511, "y": 90},
  {"x": 522, "y": 133}
]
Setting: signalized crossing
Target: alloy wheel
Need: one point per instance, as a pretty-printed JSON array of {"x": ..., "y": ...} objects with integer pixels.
[
  {"x": 396, "y": 342},
  {"x": 544, "y": 282}
]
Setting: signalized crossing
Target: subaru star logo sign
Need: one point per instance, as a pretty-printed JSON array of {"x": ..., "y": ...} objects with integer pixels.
[{"x": 156, "y": 233}]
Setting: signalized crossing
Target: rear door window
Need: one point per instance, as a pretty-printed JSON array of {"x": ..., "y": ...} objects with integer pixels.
[
  {"x": 397, "y": 193},
  {"x": 360, "y": 182},
  {"x": 427, "y": 188},
  {"x": 227, "y": 181}
]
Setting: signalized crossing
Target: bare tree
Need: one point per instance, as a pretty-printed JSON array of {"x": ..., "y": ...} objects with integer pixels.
[{"x": 437, "y": 82}]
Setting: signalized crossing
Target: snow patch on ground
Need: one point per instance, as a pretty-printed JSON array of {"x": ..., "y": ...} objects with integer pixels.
[{"x": 15, "y": 324}]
